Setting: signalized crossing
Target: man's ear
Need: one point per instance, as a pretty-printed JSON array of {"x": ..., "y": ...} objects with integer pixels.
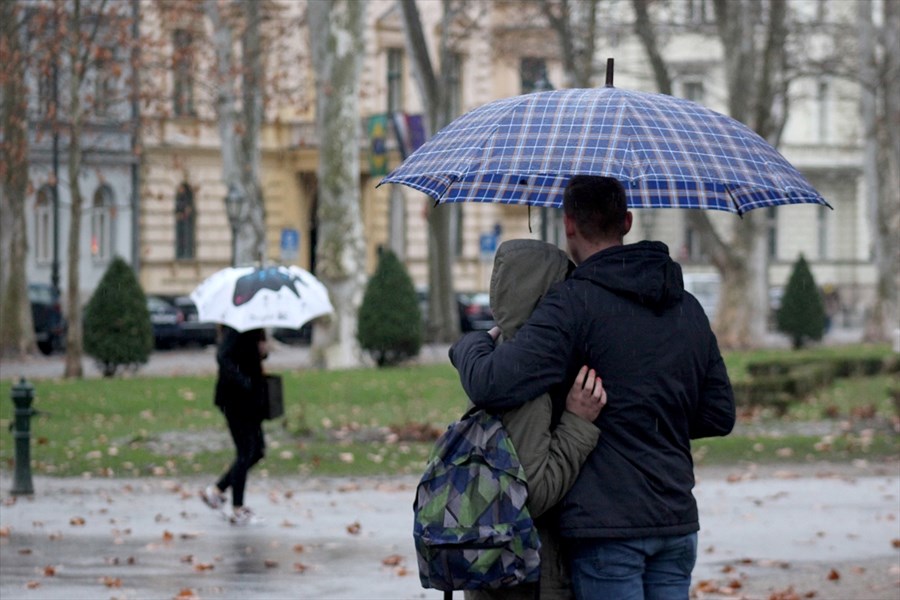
[
  {"x": 569, "y": 226},
  {"x": 629, "y": 219}
]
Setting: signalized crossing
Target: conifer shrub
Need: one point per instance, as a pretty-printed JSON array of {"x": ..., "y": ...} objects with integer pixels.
[
  {"x": 117, "y": 330},
  {"x": 390, "y": 323},
  {"x": 802, "y": 311}
]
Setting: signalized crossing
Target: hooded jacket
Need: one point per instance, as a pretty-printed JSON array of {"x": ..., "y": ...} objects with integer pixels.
[
  {"x": 550, "y": 455},
  {"x": 625, "y": 313}
]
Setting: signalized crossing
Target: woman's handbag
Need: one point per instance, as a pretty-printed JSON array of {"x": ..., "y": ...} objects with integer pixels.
[{"x": 273, "y": 407}]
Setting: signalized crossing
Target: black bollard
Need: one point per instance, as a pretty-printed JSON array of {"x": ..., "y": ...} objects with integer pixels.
[{"x": 22, "y": 397}]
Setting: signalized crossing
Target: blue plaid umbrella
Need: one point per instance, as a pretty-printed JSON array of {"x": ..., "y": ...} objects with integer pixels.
[{"x": 666, "y": 151}]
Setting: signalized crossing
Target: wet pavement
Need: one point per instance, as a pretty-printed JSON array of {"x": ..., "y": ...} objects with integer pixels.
[{"x": 828, "y": 529}]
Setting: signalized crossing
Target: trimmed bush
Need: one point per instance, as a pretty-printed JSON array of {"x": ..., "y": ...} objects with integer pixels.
[
  {"x": 117, "y": 330},
  {"x": 390, "y": 324},
  {"x": 802, "y": 312}
]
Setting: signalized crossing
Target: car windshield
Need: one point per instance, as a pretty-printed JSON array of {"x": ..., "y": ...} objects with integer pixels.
[{"x": 40, "y": 294}]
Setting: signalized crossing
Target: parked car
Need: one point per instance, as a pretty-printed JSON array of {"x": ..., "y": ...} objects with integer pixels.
[
  {"x": 294, "y": 337},
  {"x": 46, "y": 312},
  {"x": 474, "y": 310},
  {"x": 193, "y": 331},
  {"x": 166, "y": 322}
]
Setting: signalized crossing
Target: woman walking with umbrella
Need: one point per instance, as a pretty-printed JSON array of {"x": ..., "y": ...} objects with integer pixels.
[{"x": 240, "y": 390}]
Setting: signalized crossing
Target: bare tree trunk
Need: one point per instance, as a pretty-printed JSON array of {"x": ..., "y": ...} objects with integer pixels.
[
  {"x": 76, "y": 74},
  {"x": 336, "y": 37},
  {"x": 16, "y": 326},
  {"x": 880, "y": 111},
  {"x": 253, "y": 80},
  {"x": 443, "y": 321},
  {"x": 227, "y": 120}
]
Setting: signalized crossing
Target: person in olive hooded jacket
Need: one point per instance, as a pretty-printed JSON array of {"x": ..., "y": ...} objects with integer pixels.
[
  {"x": 552, "y": 440},
  {"x": 630, "y": 521}
]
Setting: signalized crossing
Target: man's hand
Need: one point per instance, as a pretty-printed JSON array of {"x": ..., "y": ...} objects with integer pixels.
[
  {"x": 494, "y": 332},
  {"x": 587, "y": 396}
]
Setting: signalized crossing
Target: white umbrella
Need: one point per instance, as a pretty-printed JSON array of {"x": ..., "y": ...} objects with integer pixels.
[{"x": 246, "y": 298}]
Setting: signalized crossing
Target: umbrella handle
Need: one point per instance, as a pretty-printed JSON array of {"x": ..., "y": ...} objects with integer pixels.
[{"x": 609, "y": 72}]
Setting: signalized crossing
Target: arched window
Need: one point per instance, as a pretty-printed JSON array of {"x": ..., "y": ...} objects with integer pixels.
[
  {"x": 43, "y": 221},
  {"x": 103, "y": 215},
  {"x": 185, "y": 219}
]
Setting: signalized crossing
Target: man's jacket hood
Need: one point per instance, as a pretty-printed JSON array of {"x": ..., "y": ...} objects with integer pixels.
[{"x": 641, "y": 272}]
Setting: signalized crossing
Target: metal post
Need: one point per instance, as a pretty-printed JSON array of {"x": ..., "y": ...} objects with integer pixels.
[{"x": 22, "y": 397}]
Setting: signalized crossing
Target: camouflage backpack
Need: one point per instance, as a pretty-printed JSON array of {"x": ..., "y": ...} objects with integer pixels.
[{"x": 472, "y": 529}]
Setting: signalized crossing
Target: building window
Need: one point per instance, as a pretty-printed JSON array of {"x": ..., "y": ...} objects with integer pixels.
[
  {"x": 699, "y": 11},
  {"x": 823, "y": 113},
  {"x": 772, "y": 232},
  {"x": 103, "y": 214},
  {"x": 693, "y": 245},
  {"x": 692, "y": 89},
  {"x": 394, "y": 80},
  {"x": 103, "y": 83},
  {"x": 185, "y": 220},
  {"x": 533, "y": 73},
  {"x": 183, "y": 73},
  {"x": 43, "y": 234},
  {"x": 822, "y": 226}
]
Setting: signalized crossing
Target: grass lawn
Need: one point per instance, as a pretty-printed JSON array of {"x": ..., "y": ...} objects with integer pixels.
[{"x": 370, "y": 421}]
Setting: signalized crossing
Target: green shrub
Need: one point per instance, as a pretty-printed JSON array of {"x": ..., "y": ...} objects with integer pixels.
[
  {"x": 117, "y": 328},
  {"x": 390, "y": 324},
  {"x": 802, "y": 312}
]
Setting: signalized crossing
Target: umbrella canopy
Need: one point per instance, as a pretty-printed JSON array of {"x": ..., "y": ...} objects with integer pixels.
[
  {"x": 666, "y": 151},
  {"x": 251, "y": 298}
]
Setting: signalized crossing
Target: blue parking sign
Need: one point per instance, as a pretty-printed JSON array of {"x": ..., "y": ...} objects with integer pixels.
[
  {"x": 290, "y": 244},
  {"x": 488, "y": 242}
]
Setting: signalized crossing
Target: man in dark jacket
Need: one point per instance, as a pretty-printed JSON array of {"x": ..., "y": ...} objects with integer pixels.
[{"x": 630, "y": 520}]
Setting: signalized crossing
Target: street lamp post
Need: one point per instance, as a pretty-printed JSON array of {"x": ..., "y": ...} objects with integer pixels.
[{"x": 234, "y": 205}]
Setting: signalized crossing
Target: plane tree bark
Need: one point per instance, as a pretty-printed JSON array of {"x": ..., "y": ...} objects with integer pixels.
[
  {"x": 16, "y": 326},
  {"x": 336, "y": 32},
  {"x": 879, "y": 78}
]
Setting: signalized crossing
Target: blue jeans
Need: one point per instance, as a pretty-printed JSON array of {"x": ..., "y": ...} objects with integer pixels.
[{"x": 647, "y": 568}]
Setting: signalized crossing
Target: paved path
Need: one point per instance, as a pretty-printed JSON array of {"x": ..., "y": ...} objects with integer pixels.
[
  {"x": 763, "y": 533},
  {"x": 185, "y": 361}
]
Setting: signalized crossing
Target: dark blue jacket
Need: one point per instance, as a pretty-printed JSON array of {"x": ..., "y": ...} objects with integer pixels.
[{"x": 625, "y": 313}]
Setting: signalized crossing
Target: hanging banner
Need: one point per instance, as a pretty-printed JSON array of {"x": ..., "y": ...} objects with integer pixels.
[
  {"x": 415, "y": 131},
  {"x": 378, "y": 160}
]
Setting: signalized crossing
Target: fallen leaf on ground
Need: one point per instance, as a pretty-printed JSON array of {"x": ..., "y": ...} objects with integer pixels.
[
  {"x": 31, "y": 585},
  {"x": 298, "y": 548},
  {"x": 24, "y": 551},
  {"x": 186, "y": 594},
  {"x": 300, "y": 567},
  {"x": 49, "y": 571},
  {"x": 707, "y": 586},
  {"x": 833, "y": 575},
  {"x": 392, "y": 561},
  {"x": 167, "y": 536},
  {"x": 354, "y": 528},
  {"x": 112, "y": 582},
  {"x": 895, "y": 543},
  {"x": 4, "y": 531},
  {"x": 288, "y": 524},
  {"x": 199, "y": 567},
  {"x": 76, "y": 521},
  {"x": 270, "y": 564},
  {"x": 401, "y": 571}
]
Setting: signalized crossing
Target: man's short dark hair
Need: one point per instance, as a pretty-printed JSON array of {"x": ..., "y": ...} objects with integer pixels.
[{"x": 597, "y": 205}]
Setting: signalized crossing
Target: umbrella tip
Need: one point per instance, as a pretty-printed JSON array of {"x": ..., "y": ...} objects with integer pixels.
[{"x": 609, "y": 72}]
